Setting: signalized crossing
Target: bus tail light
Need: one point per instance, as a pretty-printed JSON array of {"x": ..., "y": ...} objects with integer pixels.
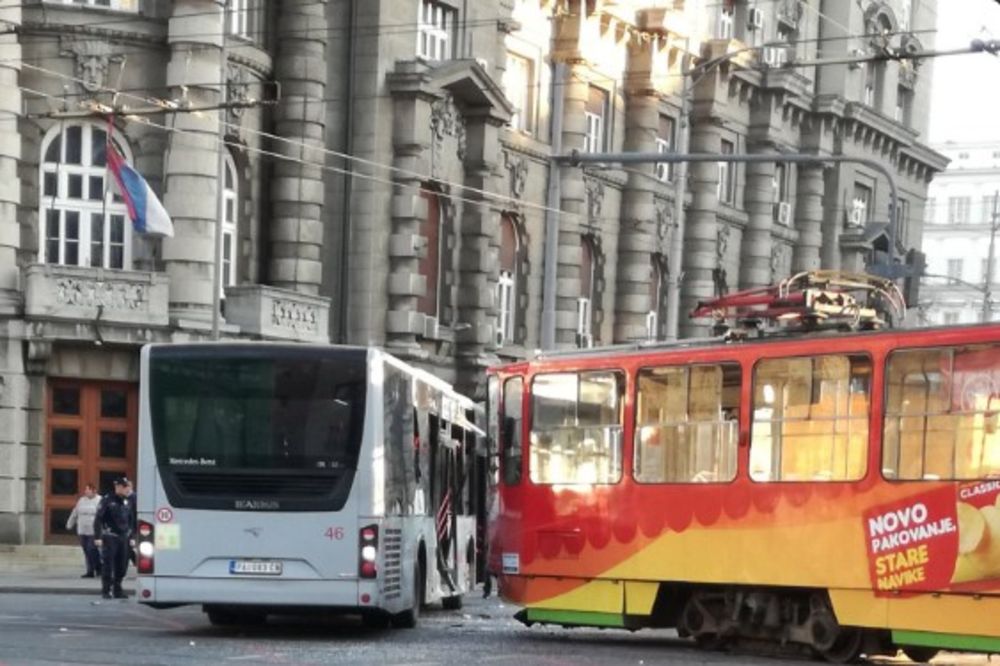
[
  {"x": 368, "y": 543},
  {"x": 147, "y": 551}
]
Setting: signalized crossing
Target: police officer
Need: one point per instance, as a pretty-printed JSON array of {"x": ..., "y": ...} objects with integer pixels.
[{"x": 112, "y": 531}]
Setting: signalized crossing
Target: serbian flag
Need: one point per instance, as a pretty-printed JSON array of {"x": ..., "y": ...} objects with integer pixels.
[{"x": 147, "y": 213}]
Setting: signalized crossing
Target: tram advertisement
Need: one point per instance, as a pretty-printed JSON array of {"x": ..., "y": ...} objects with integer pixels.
[{"x": 946, "y": 537}]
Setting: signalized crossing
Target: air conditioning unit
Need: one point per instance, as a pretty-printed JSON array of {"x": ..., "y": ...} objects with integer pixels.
[
  {"x": 783, "y": 212},
  {"x": 775, "y": 56},
  {"x": 755, "y": 19},
  {"x": 857, "y": 214}
]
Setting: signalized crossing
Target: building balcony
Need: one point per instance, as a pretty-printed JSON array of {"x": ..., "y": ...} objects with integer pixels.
[
  {"x": 270, "y": 313},
  {"x": 75, "y": 293}
]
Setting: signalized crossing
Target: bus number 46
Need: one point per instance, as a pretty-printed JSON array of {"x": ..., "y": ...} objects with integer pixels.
[{"x": 334, "y": 533}]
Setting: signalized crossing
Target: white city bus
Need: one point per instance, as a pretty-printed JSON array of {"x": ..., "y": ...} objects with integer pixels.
[{"x": 289, "y": 478}]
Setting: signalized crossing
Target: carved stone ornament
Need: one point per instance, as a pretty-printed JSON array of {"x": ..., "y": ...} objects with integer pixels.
[
  {"x": 446, "y": 120},
  {"x": 781, "y": 255},
  {"x": 92, "y": 60},
  {"x": 294, "y": 316},
  {"x": 595, "y": 199},
  {"x": 518, "y": 168},
  {"x": 664, "y": 225},
  {"x": 722, "y": 241},
  {"x": 237, "y": 86},
  {"x": 123, "y": 296},
  {"x": 790, "y": 13}
]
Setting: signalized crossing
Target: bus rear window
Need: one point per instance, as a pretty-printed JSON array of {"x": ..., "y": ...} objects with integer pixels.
[
  {"x": 576, "y": 428},
  {"x": 234, "y": 409},
  {"x": 942, "y": 414}
]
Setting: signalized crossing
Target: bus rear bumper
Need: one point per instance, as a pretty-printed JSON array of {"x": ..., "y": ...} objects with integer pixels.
[{"x": 168, "y": 591}]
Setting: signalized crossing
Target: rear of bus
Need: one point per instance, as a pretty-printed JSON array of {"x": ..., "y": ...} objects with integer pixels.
[{"x": 249, "y": 493}]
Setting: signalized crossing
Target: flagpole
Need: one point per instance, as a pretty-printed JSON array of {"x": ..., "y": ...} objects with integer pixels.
[{"x": 221, "y": 189}]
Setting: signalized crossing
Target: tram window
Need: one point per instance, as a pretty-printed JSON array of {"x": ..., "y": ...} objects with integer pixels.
[
  {"x": 511, "y": 435},
  {"x": 810, "y": 419},
  {"x": 942, "y": 414},
  {"x": 576, "y": 432},
  {"x": 687, "y": 428}
]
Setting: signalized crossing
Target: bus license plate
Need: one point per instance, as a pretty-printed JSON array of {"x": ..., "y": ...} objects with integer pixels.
[{"x": 255, "y": 567}]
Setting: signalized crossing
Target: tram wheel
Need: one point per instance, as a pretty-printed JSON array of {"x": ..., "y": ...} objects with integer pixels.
[
  {"x": 846, "y": 649},
  {"x": 919, "y": 653}
]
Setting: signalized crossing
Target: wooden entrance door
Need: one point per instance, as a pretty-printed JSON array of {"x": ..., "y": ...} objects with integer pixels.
[{"x": 90, "y": 437}]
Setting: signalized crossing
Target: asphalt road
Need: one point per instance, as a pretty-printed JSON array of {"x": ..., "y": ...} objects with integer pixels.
[{"x": 78, "y": 629}]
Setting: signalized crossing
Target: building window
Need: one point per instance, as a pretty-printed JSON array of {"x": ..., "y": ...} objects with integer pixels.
[
  {"x": 507, "y": 282},
  {"x": 584, "y": 303},
  {"x": 576, "y": 427},
  {"x": 429, "y": 265},
  {"x": 958, "y": 210},
  {"x": 116, "y": 5},
  {"x": 904, "y": 105},
  {"x": 779, "y": 186},
  {"x": 988, "y": 202},
  {"x": 941, "y": 413},
  {"x": 724, "y": 30},
  {"x": 930, "y": 208},
  {"x": 727, "y": 174},
  {"x": 955, "y": 267},
  {"x": 860, "y": 205},
  {"x": 903, "y": 221},
  {"x": 230, "y": 225},
  {"x": 950, "y": 318},
  {"x": 519, "y": 86},
  {"x": 239, "y": 17},
  {"x": 665, "y": 144},
  {"x": 810, "y": 419},
  {"x": 596, "y": 114},
  {"x": 84, "y": 223},
  {"x": 686, "y": 427},
  {"x": 434, "y": 29}
]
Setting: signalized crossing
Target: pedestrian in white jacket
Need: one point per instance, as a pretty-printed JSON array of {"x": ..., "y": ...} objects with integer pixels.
[{"x": 82, "y": 518}]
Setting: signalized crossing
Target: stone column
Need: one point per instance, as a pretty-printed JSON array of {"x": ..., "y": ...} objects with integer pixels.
[
  {"x": 194, "y": 36},
  {"x": 297, "y": 193},
  {"x": 10, "y": 153},
  {"x": 573, "y": 204},
  {"x": 808, "y": 218},
  {"x": 701, "y": 228},
  {"x": 755, "y": 252},
  {"x": 637, "y": 239},
  {"x": 477, "y": 260}
]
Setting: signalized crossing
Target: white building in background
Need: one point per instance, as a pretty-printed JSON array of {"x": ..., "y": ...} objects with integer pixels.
[{"x": 957, "y": 228}]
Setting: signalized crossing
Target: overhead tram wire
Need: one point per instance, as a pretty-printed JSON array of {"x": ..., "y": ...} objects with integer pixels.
[{"x": 487, "y": 196}]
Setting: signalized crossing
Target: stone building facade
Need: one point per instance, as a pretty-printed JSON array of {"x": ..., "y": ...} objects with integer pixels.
[
  {"x": 962, "y": 213},
  {"x": 80, "y": 292},
  {"x": 388, "y": 180}
]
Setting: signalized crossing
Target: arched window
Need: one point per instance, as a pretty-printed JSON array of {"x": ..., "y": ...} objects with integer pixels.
[
  {"x": 584, "y": 303},
  {"x": 83, "y": 222},
  {"x": 429, "y": 266},
  {"x": 510, "y": 246},
  {"x": 230, "y": 224}
]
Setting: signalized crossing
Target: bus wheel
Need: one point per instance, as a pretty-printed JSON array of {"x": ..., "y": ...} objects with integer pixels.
[
  {"x": 919, "y": 653},
  {"x": 408, "y": 618},
  {"x": 452, "y": 603}
]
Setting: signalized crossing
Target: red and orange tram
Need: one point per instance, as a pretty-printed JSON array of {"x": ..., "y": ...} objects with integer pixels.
[{"x": 839, "y": 492}]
